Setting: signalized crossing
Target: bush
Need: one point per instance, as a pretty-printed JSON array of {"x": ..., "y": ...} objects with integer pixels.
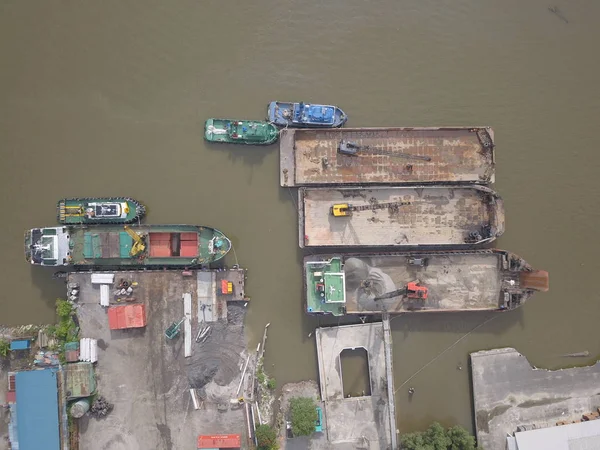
[
  {"x": 437, "y": 438},
  {"x": 271, "y": 383},
  {"x": 303, "y": 416},
  {"x": 261, "y": 377},
  {"x": 64, "y": 309},
  {"x": 4, "y": 347},
  {"x": 266, "y": 438}
]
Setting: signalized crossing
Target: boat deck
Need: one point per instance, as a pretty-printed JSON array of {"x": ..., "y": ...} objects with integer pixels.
[
  {"x": 436, "y": 216},
  {"x": 310, "y": 157},
  {"x": 457, "y": 281}
]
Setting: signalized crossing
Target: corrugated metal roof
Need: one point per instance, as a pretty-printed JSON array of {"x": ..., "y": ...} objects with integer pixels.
[
  {"x": 80, "y": 380},
  {"x": 127, "y": 316},
  {"x": 37, "y": 412},
  {"x": 219, "y": 441}
]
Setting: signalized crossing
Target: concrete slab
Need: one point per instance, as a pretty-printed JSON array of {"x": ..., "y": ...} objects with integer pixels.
[
  {"x": 147, "y": 377},
  {"x": 310, "y": 157},
  {"x": 425, "y": 216},
  {"x": 360, "y": 420},
  {"x": 509, "y": 392}
]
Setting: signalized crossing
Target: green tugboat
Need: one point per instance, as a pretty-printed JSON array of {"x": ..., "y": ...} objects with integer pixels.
[
  {"x": 250, "y": 132},
  {"x": 115, "y": 246},
  {"x": 96, "y": 211}
]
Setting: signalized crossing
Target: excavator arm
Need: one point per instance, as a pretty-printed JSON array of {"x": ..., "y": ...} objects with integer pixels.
[{"x": 139, "y": 246}]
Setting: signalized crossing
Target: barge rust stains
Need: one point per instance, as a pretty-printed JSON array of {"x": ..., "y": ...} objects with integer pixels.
[
  {"x": 445, "y": 155},
  {"x": 429, "y": 216}
]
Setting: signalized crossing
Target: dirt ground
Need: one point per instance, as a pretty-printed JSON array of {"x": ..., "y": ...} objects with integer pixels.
[{"x": 148, "y": 379}]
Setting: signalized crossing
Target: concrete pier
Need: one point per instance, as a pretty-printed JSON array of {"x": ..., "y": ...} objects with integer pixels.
[
  {"x": 361, "y": 421},
  {"x": 508, "y": 392}
]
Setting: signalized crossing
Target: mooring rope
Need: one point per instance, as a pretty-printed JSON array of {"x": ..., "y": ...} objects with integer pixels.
[{"x": 443, "y": 352}]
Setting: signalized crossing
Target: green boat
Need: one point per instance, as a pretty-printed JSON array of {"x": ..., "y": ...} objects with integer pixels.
[
  {"x": 114, "y": 246},
  {"x": 95, "y": 211},
  {"x": 250, "y": 132}
]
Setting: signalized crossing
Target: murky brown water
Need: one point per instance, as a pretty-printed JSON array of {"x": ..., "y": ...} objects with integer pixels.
[{"x": 108, "y": 98}]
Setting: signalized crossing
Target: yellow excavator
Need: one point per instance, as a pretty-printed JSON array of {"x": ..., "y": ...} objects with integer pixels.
[
  {"x": 345, "y": 209},
  {"x": 139, "y": 245}
]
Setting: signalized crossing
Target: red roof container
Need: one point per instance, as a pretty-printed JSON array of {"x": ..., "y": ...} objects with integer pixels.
[
  {"x": 219, "y": 441},
  {"x": 127, "y": 316}
]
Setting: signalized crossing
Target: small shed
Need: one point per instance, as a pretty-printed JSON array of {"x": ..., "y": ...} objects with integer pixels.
[
  {"x": 20, "y": 344},
  {"x": 80, "y": 380},
  {"x": 127, "y": 316},
  {"x": 219, "y": 441}
]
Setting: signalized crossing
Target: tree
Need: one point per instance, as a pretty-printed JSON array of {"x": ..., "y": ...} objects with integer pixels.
[
  {"x": 436, "y": 438},
  {"x": 266, "y": 438},
  {"x": 303, "y": 416},
  {"x": 63, "y": 308}
]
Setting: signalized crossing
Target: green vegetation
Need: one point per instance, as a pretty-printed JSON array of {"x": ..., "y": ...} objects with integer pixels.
[
  {"x": 260, "y": 376},
  {"x": 303, "y": 415},
  {"x": 437, "y": 438},
  {"x": 271, "y": 383},
  {"x": 266, "y": 438},
  {"x": 4, "y": 347},
  {"x": 65, "y": 331}
]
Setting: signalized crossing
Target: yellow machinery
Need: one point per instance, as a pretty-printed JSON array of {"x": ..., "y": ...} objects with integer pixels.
[
  {"x": 340, "y": 210},
  {"x": 138, "y": 246},
  {"x": 345, "y": 209}
]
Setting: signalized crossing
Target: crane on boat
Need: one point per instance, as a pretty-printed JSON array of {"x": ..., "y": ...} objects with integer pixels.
[
  {"x": 139, "y": 245},
  {"x": 353, "y": 149},
  {"x": 412, "y": 290},
  {"x": 345, "y": 209}
]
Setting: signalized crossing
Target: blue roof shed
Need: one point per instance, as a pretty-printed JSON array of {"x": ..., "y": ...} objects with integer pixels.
[
  {"x": 20, "y": 344},
  {"x": 37, "y": 410}
]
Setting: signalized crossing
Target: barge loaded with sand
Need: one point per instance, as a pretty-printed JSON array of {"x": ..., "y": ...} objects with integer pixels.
[
  {"x": 472, "y": 280},
  {"x": 363, "y": 156},
  {"x": 114, "y": 246},
  {"x": 433, "y": 216}
]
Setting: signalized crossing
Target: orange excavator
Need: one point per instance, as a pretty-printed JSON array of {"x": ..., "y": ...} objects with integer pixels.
[{"x": 412, "y": 291}]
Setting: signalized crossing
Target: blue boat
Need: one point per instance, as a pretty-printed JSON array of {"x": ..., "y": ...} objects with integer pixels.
[{"x": 286, "y": 114}]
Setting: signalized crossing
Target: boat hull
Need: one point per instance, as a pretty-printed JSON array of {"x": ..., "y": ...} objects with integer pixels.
[
  {"x": 113, "y": 246},
  {"x": 469, "y": 280},
  {"x": 248, "y": 132},
  {"x": 99, "y": 210},
  {"x": 282, "y": 114}
]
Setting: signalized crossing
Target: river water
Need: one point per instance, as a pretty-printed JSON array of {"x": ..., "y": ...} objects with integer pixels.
[{"x": 109, "y": 98}]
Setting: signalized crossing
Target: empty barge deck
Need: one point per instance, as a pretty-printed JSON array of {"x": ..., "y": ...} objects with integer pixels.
[
  {"x": 470, "y": 280},
  {"x": 436, "y": 216},
  {"x": 457, "y": 155}
]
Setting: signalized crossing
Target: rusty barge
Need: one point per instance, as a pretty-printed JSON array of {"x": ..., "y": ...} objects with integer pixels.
[
  {"x": 386, "y": 156},
  {"x": 471, "y": 280},
  {"x": 437, "y": 217}
]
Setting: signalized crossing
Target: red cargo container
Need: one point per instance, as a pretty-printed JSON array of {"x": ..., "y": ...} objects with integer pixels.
[
  {"x": 127, "y": 316},
  {"x": 219, "y": 441}
]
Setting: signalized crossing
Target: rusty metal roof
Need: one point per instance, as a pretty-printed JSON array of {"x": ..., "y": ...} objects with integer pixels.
[
  {"x": 310, "y": 157},
  {"x": 80, "y": 380},
  {"x": 127, "y": 316}
]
